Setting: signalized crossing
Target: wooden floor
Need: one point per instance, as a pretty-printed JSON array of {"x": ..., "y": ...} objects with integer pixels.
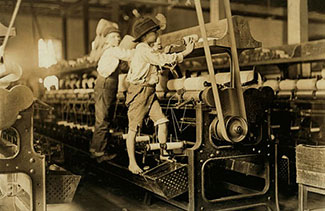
[
  {"x": 97, "y": 195},
  {"x": 112, "y": 194}
]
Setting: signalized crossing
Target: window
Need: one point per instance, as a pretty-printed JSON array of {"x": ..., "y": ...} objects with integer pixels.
[{"x": 49, "y": 52}]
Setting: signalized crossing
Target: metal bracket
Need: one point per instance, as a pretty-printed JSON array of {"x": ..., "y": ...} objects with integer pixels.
[{"x": 27, "y": 161}]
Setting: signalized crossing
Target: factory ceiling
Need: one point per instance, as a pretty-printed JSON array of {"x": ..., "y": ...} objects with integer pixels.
[{"x": 104, "y": 8}]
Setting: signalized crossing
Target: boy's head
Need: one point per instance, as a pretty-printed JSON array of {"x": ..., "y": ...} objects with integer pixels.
[
  {"x": 109, "y": 31},
  {"x": 105, "y": 27},
  {"x": 107, "y": 34},
  {"x": 112, "y": 39},
  {"x": 145, "y": 28}
]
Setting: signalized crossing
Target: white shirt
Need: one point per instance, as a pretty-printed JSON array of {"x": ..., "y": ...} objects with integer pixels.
[
  {"x": 142, "y": 69},
  {"x": 110, "y": 59}
]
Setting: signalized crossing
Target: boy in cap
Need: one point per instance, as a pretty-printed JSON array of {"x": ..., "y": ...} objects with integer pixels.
[
  {"x": 143, "y": 76},
  {"x": 107, "y": 52}
]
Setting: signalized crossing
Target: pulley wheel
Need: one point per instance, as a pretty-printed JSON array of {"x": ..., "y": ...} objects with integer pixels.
[{"x": 236, "y": 128}]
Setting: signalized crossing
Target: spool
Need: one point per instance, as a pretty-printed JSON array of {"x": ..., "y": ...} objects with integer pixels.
[
  {"x": 284, "y": 94},
  {"x": 320, "y": 94},
  {"x": 306, "y": 84},
  {"x": 91, "y": 83},
  {"x": 166, "y": 146},
  {"x": 175, "y": 84},
  {"x": 305, "y": 94},
  {"x": 195, "y": 84},
  {"x": 320, "y": 85},
  {"x": 189, "y": 95},
  {"x": 274, "y": 84},
  {"x": 267, "y": 94},
  {"x": 287, "y": 84},
  {"x": 207, "y": 97},
  {"x": 323, "y": 73},
  {"x": 245, "y": 76},
  {"x": 222, "y": 78}
]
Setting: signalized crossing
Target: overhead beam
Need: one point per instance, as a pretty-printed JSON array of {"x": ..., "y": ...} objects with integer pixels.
[
  {"x": 217, "y": 10},
  {"x": 64, "y": 36},
  {"x": 94, "y": 13},
  {"x": 297, "y": 21},
  {"x": 51, "y": 8},
  {"x": 86, "y": 25},
  {"x": 298, "y": 31},
  {"x": 214, "y": 10}
]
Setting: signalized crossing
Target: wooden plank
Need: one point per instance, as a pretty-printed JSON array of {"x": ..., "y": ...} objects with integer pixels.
[
  {"x": 304, "y": 52},
  {"x": 245, "y": 167},
  {"x": 302, "y": 197},
  {"x": 311, "y": 178},
  {"x": 315, "y": 190},
  {"x": 314, "y": 48},
  {"x": 311, "y": 159},
  {"x": 219, "y": 31},
  {"x": 238, "y": 189}
]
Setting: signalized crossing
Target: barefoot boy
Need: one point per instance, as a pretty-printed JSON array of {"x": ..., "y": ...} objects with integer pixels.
[{"x": 141, "y": 97}]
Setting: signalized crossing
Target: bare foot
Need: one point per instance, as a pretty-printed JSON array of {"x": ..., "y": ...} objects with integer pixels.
[
  {"x": 166, "y": 158},
  {"x": 135, "y": 169}
]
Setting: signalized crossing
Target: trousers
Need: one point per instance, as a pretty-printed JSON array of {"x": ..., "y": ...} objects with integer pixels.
[{"x": 105, "y": 91}]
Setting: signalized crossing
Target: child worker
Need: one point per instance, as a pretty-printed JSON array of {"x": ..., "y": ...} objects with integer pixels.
[
  {"x": 143, "y": 76},
  {"x": 106, "y": 49}
]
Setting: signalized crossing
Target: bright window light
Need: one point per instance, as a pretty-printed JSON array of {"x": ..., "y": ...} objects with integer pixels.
[
  {"x": 51, "y": 82},
  {"x": 49, "y": 52}
]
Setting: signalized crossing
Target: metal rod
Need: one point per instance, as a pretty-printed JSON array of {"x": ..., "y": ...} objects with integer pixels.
[{"x": 211, "y": 70}]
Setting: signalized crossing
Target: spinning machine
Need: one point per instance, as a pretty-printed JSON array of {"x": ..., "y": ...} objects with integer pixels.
[{"x": 223, "y": 152}]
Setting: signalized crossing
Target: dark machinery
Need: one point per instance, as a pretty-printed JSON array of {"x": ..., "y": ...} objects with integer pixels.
[
  {"x": 224, "y": 157},
  {"x": 22, "y": 169}
]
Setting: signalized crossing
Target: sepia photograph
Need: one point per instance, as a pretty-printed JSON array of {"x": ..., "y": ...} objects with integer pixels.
[{"x": 162, "y": 105}]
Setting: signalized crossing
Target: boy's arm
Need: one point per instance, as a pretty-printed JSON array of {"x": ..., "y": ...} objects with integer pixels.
[
  {"x": 122, "y": 54},
  {"x": 162, "y": 59},
  {"x": 189, "y": 48}
]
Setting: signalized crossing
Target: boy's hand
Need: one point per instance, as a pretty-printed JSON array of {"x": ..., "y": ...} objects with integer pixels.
[
  {"x": 189, "y": 48},
  {"x": 167, "y": 48}
]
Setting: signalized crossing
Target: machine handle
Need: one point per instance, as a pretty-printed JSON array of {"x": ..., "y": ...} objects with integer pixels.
[{"x": 42, "y": 103}]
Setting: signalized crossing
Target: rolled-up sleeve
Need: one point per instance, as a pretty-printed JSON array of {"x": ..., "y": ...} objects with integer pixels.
[
  {"x": 110, "y": 59},
  {"x": 122, "y": 54},
  {"x": 161, "y": 59}
]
